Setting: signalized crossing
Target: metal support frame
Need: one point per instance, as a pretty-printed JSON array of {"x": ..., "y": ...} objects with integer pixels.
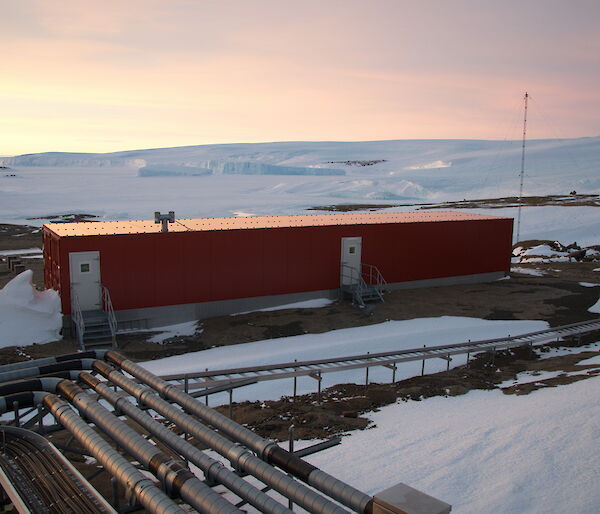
[{"x": 295, "y": 369}]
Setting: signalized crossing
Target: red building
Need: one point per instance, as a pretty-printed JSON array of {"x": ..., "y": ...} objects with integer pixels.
[{"x": 207, "y": 267}]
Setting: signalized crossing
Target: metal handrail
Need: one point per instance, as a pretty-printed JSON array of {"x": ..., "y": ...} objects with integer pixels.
[
  {"x": 372, "y": 276},
  {"x": 77, "y": 318},
  {"x": 349, "y": 273},
  {"x": 361, "y": 283},
  {"x": 351, "y": 282},
  {"x": 112, "y": 319}
]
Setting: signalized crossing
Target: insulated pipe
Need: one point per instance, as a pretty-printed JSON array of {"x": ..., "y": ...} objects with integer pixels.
[
  {"x": 47, "y": 448},
  {"x": 90, "y": 354},
  {"x": 240, "y": 457},
  {"x": 173, "y": 473},
  {"x": 46, "y": 384},
  {"x": 45, "y": 369},
  {"x": 144, "y": 490},
  {"x": 267, "y": 450},
  {"x": 213, "y": 470}
]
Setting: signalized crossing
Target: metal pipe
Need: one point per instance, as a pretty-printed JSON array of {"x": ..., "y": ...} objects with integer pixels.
[
  {"x": 91, "y": 354},
  {"x": 175, "y": 476},
  {"x": 240, "y": 457},
  {"x": 47, "y": 448},
  {"x": 266, "y": 450},
  {"x": 46, "y": 384},
  {"x": 143, "y": 489},
  {"x": 213, "y": 470},
  {"x": 45, "y": 369}
]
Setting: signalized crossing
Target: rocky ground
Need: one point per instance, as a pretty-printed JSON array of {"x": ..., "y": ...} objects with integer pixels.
[{"x": 570, "y": 200}]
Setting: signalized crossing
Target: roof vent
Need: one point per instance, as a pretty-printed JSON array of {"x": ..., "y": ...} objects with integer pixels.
[{"x": 164, "y": 219}]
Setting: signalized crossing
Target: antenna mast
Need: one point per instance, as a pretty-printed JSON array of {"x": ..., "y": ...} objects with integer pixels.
[{"x": 522, "y": 168}]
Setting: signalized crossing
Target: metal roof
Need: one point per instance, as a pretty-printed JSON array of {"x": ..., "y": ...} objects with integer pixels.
[{"x": 104, "y": 228}]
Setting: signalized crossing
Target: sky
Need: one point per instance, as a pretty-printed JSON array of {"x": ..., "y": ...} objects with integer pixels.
[{"x": 105, "y": 76}]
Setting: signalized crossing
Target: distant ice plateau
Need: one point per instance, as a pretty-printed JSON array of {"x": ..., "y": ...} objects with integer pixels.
[
  {"x": 290, "y": 177},
  {"x": 222, "y": 167}
]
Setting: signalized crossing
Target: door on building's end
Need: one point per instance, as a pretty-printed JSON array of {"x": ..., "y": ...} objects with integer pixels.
[
  {"x": 84, "y": 269},
  {"x": 351, "y": 260}
]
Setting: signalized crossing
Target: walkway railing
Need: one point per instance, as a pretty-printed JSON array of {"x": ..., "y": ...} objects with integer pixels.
[
  {"x": 110, "y": 312},
  {"x": 366, "y": 285},
  {"x": 315, "y": 368},
  {"x": 77, "y": 318}
]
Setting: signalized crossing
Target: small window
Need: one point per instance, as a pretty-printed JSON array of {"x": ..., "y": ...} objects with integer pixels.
[
  {"x": 352, "y": 249},
  {"x": 85, "y": 267}
]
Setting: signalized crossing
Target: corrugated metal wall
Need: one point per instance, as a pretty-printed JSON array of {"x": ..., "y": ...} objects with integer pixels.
[{"x": 150, "y": 270}]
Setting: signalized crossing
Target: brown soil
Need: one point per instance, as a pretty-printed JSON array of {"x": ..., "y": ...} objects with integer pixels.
[
  {"x": 571, "y": 200},
  {"x": 341, "y": 408}
]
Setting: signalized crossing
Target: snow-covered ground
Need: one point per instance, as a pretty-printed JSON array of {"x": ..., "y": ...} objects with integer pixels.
[
  {"x": 28, "y": 316},
  {"x": 484, "y": 452},
  {"x": 281, "y": 178},
  {"x": 383, "y": 337}
]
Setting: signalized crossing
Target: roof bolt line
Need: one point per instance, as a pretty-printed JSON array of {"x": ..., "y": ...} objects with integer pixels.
[
  {"x": 213, "y": 470},
  {"x": 267, "y": 450},
  {"x": 239, "y": 456}
]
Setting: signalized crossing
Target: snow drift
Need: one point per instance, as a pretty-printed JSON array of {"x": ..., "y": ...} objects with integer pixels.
[{"x": 26, "y": 315}]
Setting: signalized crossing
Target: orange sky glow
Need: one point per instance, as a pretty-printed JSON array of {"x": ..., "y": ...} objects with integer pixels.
[{"x": 105, "y": 76}]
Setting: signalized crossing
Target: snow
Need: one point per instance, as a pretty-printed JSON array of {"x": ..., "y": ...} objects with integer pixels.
[
  {"x": 529, "y": 377},
  {"x": 173, "y": 170},
  {"x": 186, "y": 328},
  {"x": 588, "y": 284},
  {"x": 25, "y": 251},
  {"x": 591, "y": 361},
  {"x": 595, "y": 308},
  {"x": 429, "y": 166},
  {"x": 483, "y": 451},
  {"x": 382, "y": 337},
  {"x": 541, "y": 251},
  {"x": 545, "y": 259},
  {"x": 569, "y": 350},
  {"x": 28, "y": 316},
  {"x": 538, "y": 377},
  {"x": 527, "y": 271},
  {"x": 316, "y": 303},
  {"x": 257, "y": 178}
]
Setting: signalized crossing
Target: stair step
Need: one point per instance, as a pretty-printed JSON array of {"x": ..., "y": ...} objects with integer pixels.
[
  {"x": 97, "y": 337},
  {"x": 95, "y": 321},
  {"x": 98, "y": 344},
  {"x": 93, "y": 314},
  {"x": 93, "y": 329}
]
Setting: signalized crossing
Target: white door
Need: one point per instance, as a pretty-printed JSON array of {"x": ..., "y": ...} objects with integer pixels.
[
  {"x": 351, "y": 259},
  {"x": 85, "y": 279}
]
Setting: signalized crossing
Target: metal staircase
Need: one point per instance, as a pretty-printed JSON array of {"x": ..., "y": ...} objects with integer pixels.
[
  {"x": 95, "y": 329},
  {"x": 362, "y": 288}
]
